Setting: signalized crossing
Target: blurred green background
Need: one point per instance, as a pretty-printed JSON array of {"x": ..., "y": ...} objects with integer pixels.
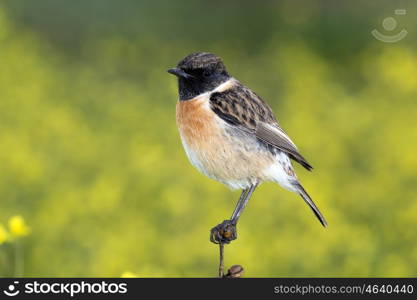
[{"x": 90, "y": 156}]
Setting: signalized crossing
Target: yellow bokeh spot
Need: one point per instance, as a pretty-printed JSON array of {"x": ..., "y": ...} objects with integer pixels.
[
  {"x": 4, "y": 235},
  {"x": 18, "y": 227},
  {"x": 129, "y": 274}
]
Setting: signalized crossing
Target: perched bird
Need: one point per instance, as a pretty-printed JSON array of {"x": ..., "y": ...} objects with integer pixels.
[{"x": 231, "y": 135}]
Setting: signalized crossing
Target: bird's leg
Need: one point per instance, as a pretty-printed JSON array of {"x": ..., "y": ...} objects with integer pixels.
[
  {"x": 242, "y": 204},
  {"x": 226, "y": 232}
]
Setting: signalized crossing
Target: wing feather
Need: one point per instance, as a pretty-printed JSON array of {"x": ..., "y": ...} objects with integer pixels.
[
  {"x": 276, "y": 137},
  {"x": 240, "y": 107}
]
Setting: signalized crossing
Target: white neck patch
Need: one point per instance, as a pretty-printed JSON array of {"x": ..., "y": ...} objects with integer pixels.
[{"x": 220, "y": 88}]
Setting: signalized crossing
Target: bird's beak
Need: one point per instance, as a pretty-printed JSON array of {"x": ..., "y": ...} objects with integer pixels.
[{"x": 180, "y": 73}]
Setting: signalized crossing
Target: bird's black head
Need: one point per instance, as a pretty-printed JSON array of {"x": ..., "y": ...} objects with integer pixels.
[{"x": 199, "y": 73}]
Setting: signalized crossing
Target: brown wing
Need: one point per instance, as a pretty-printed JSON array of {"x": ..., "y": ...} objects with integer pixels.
[{"x": 242, "y": 108}]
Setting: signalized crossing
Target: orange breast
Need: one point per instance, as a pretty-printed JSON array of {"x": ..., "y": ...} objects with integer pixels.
[{"x": 196, "y": 123}]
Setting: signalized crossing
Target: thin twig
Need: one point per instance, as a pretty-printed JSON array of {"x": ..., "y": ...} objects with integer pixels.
[
  {"x": 221, "y": 265},
  {"x": 18, "y": 259}
]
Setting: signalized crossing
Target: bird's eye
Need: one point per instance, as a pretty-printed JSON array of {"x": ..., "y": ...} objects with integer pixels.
[{"x": 206, "y": 73}]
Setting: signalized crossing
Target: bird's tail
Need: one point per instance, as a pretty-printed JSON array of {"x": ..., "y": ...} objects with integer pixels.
[{"x": 310, "y": 203}]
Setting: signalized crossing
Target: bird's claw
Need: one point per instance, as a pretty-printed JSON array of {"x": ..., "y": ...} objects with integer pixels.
[{"x": 223, "y": 233}]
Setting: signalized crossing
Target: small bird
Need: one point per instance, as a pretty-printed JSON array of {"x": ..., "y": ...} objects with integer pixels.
[{"x": 231, "y": 135}]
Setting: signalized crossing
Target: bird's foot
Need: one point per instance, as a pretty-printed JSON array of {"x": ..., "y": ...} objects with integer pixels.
[{"x": 223, "y": 233}]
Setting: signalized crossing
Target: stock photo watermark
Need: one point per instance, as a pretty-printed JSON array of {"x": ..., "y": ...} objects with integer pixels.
[
  {"x": 390, "y": 25},
  {"x": 70, "y": 288}
]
